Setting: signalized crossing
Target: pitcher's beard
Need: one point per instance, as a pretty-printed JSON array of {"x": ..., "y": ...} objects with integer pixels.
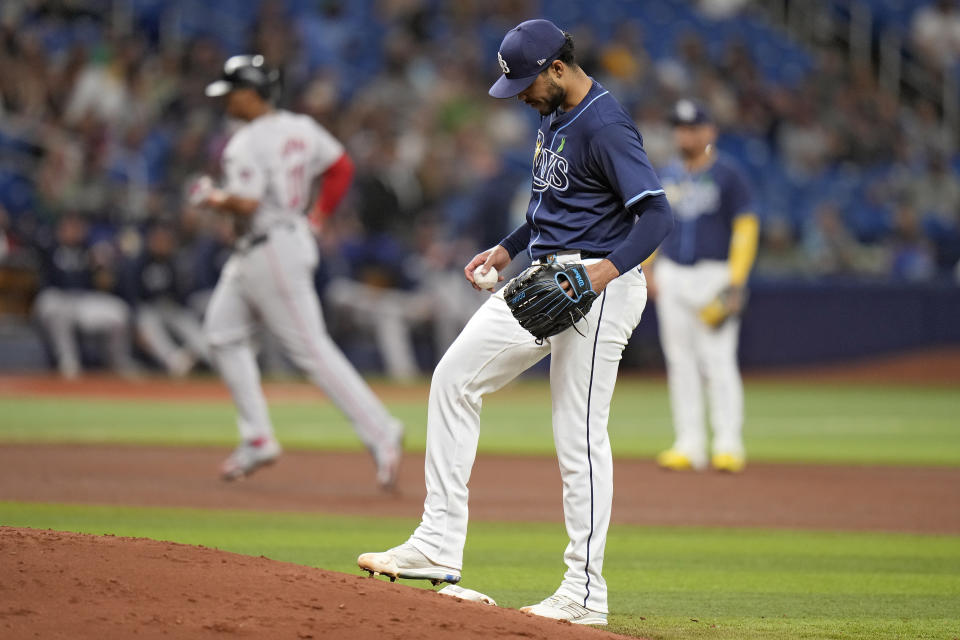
[{"x": 555, "y": 97}]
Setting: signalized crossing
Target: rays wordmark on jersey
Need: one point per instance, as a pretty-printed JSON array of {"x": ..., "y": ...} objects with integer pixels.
[{"x": 549, "y": 168}]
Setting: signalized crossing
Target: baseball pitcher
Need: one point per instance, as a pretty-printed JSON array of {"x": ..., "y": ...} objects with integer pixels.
[
  {"x": 269, "y": 166},
  {"x": 580, "y": 301}
]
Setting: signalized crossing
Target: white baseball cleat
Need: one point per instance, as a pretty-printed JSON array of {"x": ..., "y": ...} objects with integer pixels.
[
  {"x": 560, "y": 607},
  {"x": 248, "y": 457},
  {"x": 407, "y": 562}
]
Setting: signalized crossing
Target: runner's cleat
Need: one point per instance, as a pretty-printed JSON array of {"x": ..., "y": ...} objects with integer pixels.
[{"x": 249, "y": 457}]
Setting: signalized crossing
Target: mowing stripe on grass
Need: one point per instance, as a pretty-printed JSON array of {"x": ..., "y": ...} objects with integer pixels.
[{"x": 785, "y": 422}]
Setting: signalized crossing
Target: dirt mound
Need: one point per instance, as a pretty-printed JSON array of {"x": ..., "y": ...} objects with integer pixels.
[{"x": 68, "y": 585}]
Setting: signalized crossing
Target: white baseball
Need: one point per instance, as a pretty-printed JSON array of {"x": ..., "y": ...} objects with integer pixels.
[{"x": 485, "y": 280}]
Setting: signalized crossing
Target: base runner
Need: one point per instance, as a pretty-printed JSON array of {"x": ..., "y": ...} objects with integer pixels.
[{"x": 269, "y": 166}]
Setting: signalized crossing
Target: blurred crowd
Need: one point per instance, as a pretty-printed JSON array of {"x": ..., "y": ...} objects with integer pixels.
[
  {"x": 103, "y": 129},
  {"x": 935, "y": 34}
]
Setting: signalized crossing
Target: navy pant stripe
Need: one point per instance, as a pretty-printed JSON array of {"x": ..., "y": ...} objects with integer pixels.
[{"x": 593, "y": 360}]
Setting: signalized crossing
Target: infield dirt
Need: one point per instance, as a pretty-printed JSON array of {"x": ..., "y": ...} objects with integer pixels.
[
  {"x": 502, "y": 488},
  {"x": 69, "y": 585}
]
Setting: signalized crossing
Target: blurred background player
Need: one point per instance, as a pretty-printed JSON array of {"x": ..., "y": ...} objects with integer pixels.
[
  {"x": 269, "y": 166},
  {"x": 155, "y": 285},
  {"x": 700, "y": 275},
  {"x": 77, "y": 299}
]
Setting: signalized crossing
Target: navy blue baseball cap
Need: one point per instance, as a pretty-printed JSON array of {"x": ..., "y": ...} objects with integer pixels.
[
  {"x": 526, "y": 50},
  {"x": 688, "y": 112}
]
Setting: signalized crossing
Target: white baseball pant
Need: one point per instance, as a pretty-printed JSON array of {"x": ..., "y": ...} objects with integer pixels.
[
  {"x": 62, "y": 311},
  {"x": 272, "y": 282},
  {"x": 392, "y": 314},
  {"x": 699, "y": 358},
  {"x": 490, "y": 352},
  {"x": 159, "y": 321}
]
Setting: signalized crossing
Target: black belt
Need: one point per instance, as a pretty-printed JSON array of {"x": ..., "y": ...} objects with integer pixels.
[
  {"x": 247, "y": 243},
  {"x": 584, "y": 255}
]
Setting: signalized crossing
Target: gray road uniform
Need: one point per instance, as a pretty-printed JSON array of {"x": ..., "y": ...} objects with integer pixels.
[{"x": 269, "y": 278}]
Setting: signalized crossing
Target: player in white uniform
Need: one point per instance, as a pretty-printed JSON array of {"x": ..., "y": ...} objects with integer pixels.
[
  {"x": 699, "y": 279},
  {"x": 596, "y": 199},
  {"x": 268, "y": 169}
]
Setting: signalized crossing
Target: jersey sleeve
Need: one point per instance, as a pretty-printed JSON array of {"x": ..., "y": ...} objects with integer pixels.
[
  {"x": 243, "y": 175},
  {"x": 617, "y": 150},
  {"x": 327, "y": 149},
  {"x": 738, "y": 194}
]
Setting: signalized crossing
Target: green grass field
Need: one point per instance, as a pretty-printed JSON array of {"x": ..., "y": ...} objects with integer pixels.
[
  {"x": 670, "y": 583},
  {"x": 795, "y": 423}
]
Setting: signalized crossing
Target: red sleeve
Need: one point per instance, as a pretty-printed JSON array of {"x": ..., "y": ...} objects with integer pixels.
[{"x": 333, "y": 186}]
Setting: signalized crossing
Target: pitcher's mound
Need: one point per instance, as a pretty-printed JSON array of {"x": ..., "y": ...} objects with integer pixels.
[{"x": 69, "y": 585}]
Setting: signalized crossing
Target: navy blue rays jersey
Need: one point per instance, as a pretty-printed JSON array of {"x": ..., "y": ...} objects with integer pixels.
[
  {"x": 704, "y": 204},
  {"x": 588, "y": 167}
]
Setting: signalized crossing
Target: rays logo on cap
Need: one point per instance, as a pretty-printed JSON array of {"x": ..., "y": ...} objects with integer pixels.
[{"x": 529, "y": 47}]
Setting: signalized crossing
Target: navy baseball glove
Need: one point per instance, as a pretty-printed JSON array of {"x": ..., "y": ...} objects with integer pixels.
[{"x": 538, "y": 301}]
